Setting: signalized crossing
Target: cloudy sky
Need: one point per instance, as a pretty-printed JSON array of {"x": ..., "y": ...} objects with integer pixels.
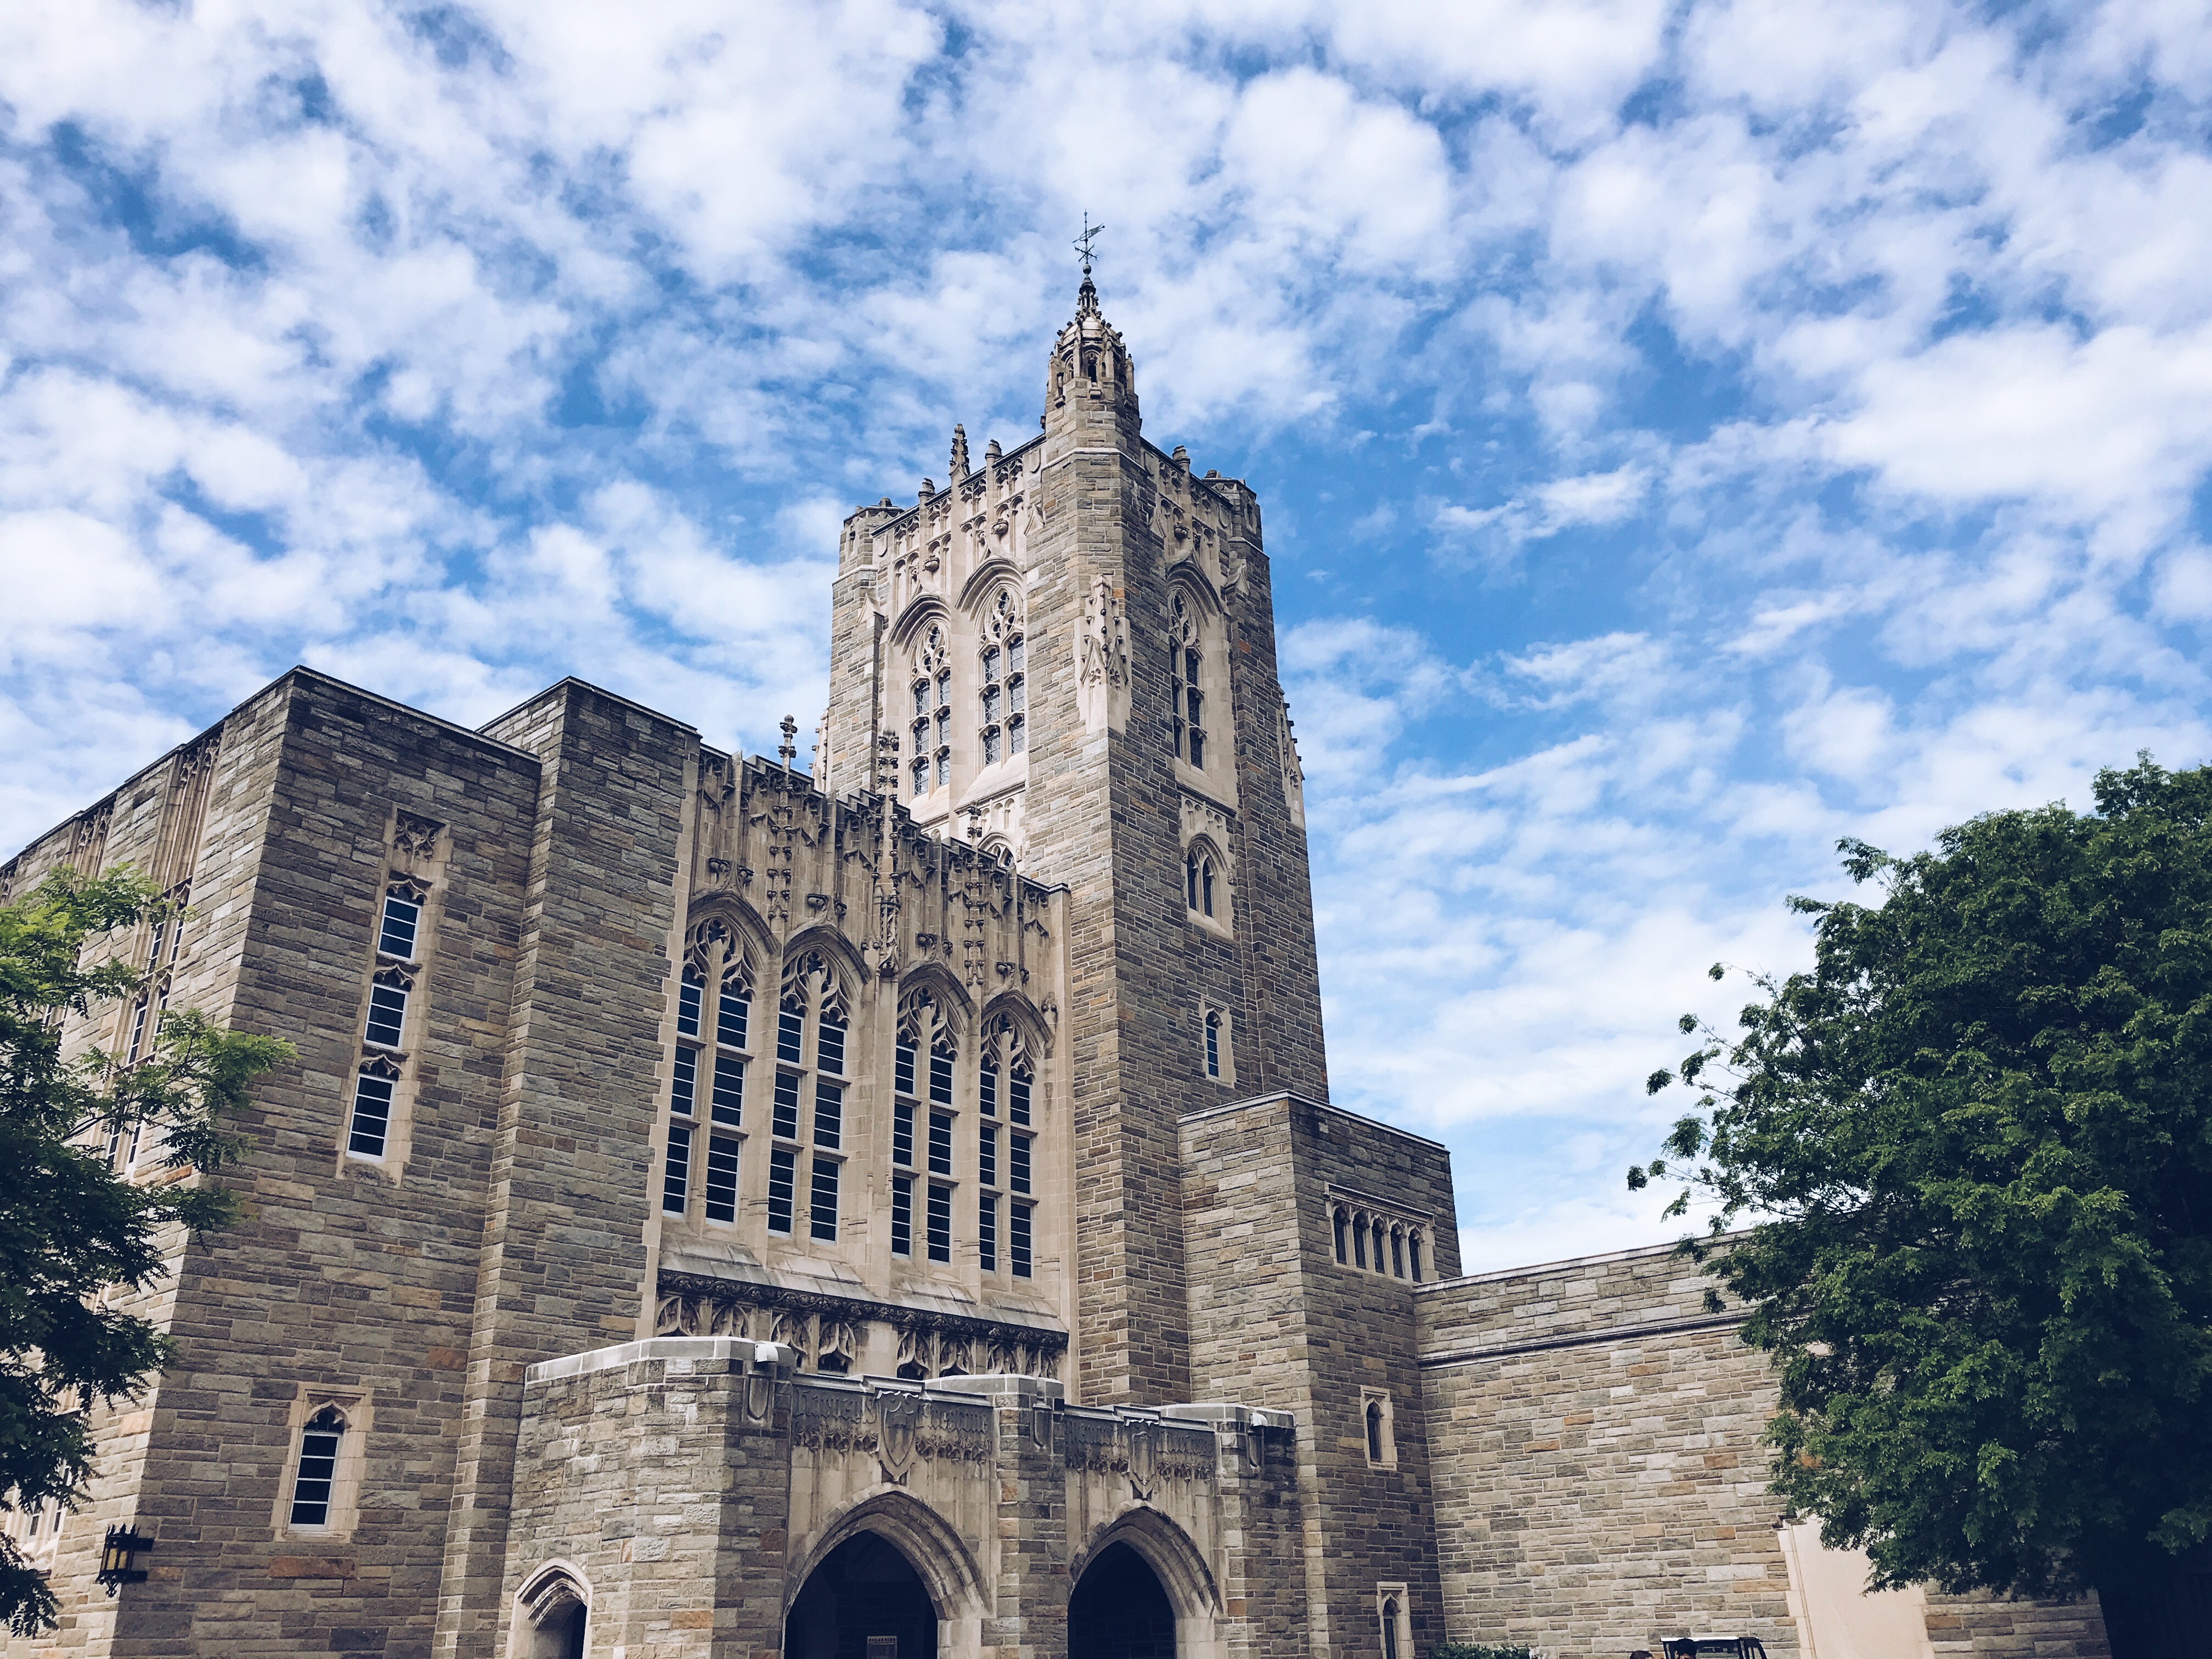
[{"x": 1688, "y": 432}]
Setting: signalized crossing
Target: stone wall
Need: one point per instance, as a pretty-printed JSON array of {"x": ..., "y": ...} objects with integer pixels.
[{"x": 1599, "y": 1481}]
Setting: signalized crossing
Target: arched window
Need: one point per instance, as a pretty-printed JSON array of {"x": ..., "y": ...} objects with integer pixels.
[
  {"x": 1389, "y": 1626},
  {"x": 317, "y": 1476},
  {"x": 1199, "y": 880},
  {"x": 1187, "y": 698},
  {"x": 1413, "y": 1255},
  {"x": 812, "y": 1003},
  {"x": 1213, "y": 1045},
  {"x": 1343, "y": 1246},
  {"x": 1380, "y": 1232},
  {"x": 930, "y": 753},
  {"x": 1374, "y": 1431},
  {"x": 1002, "y": 703},
  {"x": 1397, "y": 1252},
  {"x": 1359, "y": 1240}
]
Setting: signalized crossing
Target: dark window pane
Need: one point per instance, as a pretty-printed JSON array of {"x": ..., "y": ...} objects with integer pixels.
[
  {"x": 940, "y": 1144},
  {"x": 1018, "y": 1098},
  {"x": 987, "y": 1234},
  {"x": 921, "y": 697},
  {"x": 902, "y": 1215},
  {"x": 784, "y": 1121},
  {"x": 688, "y": 997},
  {"x": 990, "y": 665},
  {"x": 372, "y": 1115},
  {"x": 1018, "y": 733},
  {"x": 991, "y": 746},
  {"x": 311, "y": 1489},
  {"x": 387, "y": 1014},
  {"x": 1017, "y": 696},
  {"x": 736, "y": 1015},
  {"x": 987, "y": 1155},
  {"x": 987, "y": 1088},
  {"x": 782, "y": 1163},
  {"x": 829, "y": 1043},
  {"x": 1014, "y": 656},
  {"x": 940, "y": 1078},
  {"x": 676, "y": 1176},
  {"x": 1017, "y": 1162},
  {"x": 721, "y": 1178},
  {"x": 1017, "y": 1240},
  {"x": 991, "y": 702},
  {"x": 828, "y": 1112},
  {"x": 686, "y": 1086},
  {"x": 395, "y": 937},
  {"x": 940, "y": 1224},
  {"x": 729, "y": 1089},
  {"x": 824, "y": 1211},
  {"x": 902, "y": 1133},
  {"x": 944, "y": 689},
  {"x": 943, "y": 770},
  {"x": 1190, "y": 884},
  {"x": 790, "y": 1033},
  {"x": 903, "y": 1068},
  {"x": 1213, "y": 1046},
  {"x": 1197, "y": 747}
]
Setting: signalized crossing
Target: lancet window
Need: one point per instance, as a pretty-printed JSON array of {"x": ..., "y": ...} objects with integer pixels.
[
  {"x": 929, "y": 754},
  {"x": 807, "y": 1114},
  {"x": 1202, "y": 878},
  {"x": 1395, "y": 1246},
  {"x": 1002, "y": 711},
  {"x": 315, "y": 1476},
  {"x": 707, "y": 1088},
  {"x": 924, "y": 1110},
  {"x": 390, "y": 992},
  {"x": 1186, "y": 659},
  {"x": 1006, "y": 1085}
]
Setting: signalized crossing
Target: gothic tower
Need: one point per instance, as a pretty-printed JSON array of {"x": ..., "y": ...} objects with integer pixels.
[{"x": 1069, "y": 654}]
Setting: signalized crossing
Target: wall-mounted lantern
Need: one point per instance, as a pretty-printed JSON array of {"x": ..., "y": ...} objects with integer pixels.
[{"x": 122, "y": 1557}]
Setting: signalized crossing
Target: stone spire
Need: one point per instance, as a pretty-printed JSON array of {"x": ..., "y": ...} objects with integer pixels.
[{"x": 959, "y": 468}]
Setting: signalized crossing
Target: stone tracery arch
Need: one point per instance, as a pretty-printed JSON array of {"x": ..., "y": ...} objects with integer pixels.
[
  {"x": 1176, "y": 1561},
  {"x": 931, "y": 1545}
]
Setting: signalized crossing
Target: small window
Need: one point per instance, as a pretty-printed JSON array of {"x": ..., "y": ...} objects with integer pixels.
[
  {"x": 828, "y": 1112},
  {"x": 987, "y": 1088},
  {"x": 1374, "y": 1431},
  {"x": 1018, "y": 729},
  {"x": 729, "y": 1090},
  {"x": 319, "y": 1469},
  {"x": 940, "y": 1224},
  {"x": 1389, "y": 1629},
  {"x": 372, "y": 1115},
  {"x": 782, "y": 1166},
  {"x": 986, "y": 1233},
  {"x": 1397, "y": 1252},
  {"x": 1375, "y": 1414},
  {"x": 676, "y": 1177},
  {"x": 1343, "y": 1243},
  {"x": 829, "y": 1044},
  {"x": 902, "y": 1215},
  {"x": 940, "y": 1077},
  {"x": 395, "y": 929},
  {"x": 1360, "y": 1242},
  {"x": 139, "y": 1017},
  {"x": 1017, "y": 1240},
  {"x": 790, "y": 1033},
  {"x": 387, "y": 1014},
  {"x": 1413, "y": 1255},
  {"x": 940, "y": 1143},
  {"x": 903, "y": 1068},
  {"x": 1017, "y": 1162},
  {"x": 902, "y": 1133},
  {"x": 685, "y": 1088},
  {"x": 689, "y": 996},
  {"x": 784, "y": 1119},
  {"x": 1379, "y": 1230},
  {"x": 1213, "y": 1045},
  {"x": 824, "y": 1211},
  {"x": 987, "y": 1155},
  {"x": 1206, "y": 886},
  {"x": 1017, "y": 1097},
  {"x": 721, "y": 1178}
]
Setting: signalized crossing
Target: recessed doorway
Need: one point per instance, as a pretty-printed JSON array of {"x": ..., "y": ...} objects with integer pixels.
[
  {"x": 864, "y": 1602},
  {"x": 1119, "y": 1610}
]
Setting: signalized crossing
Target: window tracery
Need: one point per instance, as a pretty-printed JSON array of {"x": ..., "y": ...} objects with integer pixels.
[
  {"x": 930, "y": 752},
  {"x": 813, "y": 1018},
  {"x": 1002, "y": 702},
  {"x": 713, "y": 1047},
  {"x": 1201, "y": 879},
  {"x": 1187, "y": 695}
]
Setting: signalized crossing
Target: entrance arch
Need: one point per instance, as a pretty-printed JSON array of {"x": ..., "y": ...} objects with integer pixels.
[
  {"x": 1119, "y": 1610},
  {"x": 863, "y": 1601}
]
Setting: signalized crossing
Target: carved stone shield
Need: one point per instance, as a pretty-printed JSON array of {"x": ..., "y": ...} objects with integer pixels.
[
  {"x": 897, "y": 1416},
  {"x": 1143, "y": 1459}
]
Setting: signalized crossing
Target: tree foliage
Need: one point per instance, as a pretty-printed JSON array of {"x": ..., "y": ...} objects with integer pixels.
[
  {"x": 74, "y": 1231},
  {"x": 1973, "y": 1144}
]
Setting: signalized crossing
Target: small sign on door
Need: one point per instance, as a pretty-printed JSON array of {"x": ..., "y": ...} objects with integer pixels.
[{"x": 883, "y": 1647}]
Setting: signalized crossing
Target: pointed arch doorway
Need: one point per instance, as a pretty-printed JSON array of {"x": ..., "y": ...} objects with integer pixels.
[
  {"x": 863, "y": 1601},
  {"x": 1119, "y": 1611}
]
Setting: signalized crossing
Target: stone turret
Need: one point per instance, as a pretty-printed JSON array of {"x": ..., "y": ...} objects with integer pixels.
[{"x": 1090, "y": 389}]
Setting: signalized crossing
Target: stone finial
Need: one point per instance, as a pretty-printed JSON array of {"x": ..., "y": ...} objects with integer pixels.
[
  {"x": 927, "y": 490},
  {"x": 991, "y": 451},
  {"x": 1181, "y": 458},
  {"x": 975, "y": 826},
  {"x": 787, "y": 750},
  {"x": 959, "y": 469}
]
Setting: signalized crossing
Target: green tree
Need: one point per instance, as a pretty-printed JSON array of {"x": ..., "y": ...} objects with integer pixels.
[
  {"x": 1972, "y": 1145},
  {"x": 70, "y": 1226}
]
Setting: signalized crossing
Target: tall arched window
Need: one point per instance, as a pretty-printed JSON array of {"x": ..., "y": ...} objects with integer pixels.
[
  {"x": 1186, "y": 697},
  {"x": 1343, "y": 1241},
  {"x": 1413, "y": 1255},
  {"x": 1002, "y": 702},
  {"x": 1199, "y": 879},
  {"x": 1374, "y": 1431},
  {"x": 930, "y": 755},
  {"x": 1359, "y": 1240},
  {"x": 1213, "y": 1045},
  {"x": 813, "y": 1006},
  {"x": 1389, "y": 1628},
  {"x": 1397, "y": 1252}
]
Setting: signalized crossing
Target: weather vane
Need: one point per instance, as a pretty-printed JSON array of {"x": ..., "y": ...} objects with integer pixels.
[{"x": 1090, "y": 233}]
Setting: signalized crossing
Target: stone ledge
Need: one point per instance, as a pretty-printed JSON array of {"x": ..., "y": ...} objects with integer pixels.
[{"x": 692, "y": 1353}]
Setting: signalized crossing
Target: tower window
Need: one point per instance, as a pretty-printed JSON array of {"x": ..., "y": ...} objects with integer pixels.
[
  {"x": 823, "y": 1215},
  {"x": 1343, "y": 1224},
  {"x": 940, "y": 1143},
  {"x": 1374, "y": 1431},
  {"x": 784, "y": 1119},
  {"x": 1017, "y": 1162},
  {"x": 782, "y": 1166},
  {"x": 676, "y": 1175},
  {"x": 1213, "y": 1045},
  {"x": 721, "y": 1178},
  {"x": 940, "y": 1224},
  {"x": 372, "y": 1115},
  {"x": 828, "y": 1112},
  {"x": 1017, "y": 1240},
  {"x": 395, "y": 934},
  {"x": 902, "y": 1215},
  {"x": 387, "y": 1014},
  {"x": 686, "y": 1083},
  {"x": 734, "y": 1012},
  {"x": 1186, "y": 694},
  {"x": 1000, "y": 701},
  {"x": 729, "y": 1090},
  {"x": 986, "y": 1233},
  {"x": 987, "y": 1155},
  {"x": 1199, "y": 879},
  {"x": 317, "y": 1476},
  {"x": 689, "y": 996},
  {"x": 1397, "y": 1252},
  {"x": 791, "y": 1030},
  {"x": 1413, "y": 1255}
]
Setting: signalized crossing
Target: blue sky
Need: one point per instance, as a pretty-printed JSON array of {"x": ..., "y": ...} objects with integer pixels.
[{"x": 1688, "y": 432}]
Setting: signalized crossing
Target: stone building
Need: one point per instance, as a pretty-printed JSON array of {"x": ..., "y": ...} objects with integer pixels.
[{"x": 890, "y": 1209}]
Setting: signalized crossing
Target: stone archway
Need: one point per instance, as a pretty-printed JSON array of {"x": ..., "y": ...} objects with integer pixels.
[
  {"x": 864, "y": 1600},
  {"x": 1119, "y": 1610},
  {"x": 923, "y": 1540}
]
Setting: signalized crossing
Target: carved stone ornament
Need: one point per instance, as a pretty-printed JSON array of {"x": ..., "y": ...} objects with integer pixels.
[
  {"x": 1102, "y": 681},
  {"x": 414, "y": 839},
  {"x": 898, "y": 1417},
  {"x": 1144, "y": 1460}
]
